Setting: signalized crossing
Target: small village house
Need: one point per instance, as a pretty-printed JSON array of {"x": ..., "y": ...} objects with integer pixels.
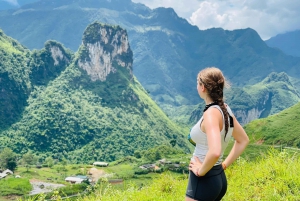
[
  {"x": 149, "y": 167},
  {"x": 77, "y": 179},
  {"x": 164, "y": 161},
  {"x": 5, "y": 173},
  {"x": 101, "y": 164}
]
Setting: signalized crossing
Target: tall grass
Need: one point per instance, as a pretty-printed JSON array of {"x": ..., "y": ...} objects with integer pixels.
[
  {"x": 272, "y": 177},
  {"x": 14, "y": 186}
]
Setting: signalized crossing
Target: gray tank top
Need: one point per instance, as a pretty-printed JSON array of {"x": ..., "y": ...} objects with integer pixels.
[{"x": 200, "y": 138}]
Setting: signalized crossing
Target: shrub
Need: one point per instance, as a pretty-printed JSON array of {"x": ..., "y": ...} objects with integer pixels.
[{"x": 140, "y": 171}]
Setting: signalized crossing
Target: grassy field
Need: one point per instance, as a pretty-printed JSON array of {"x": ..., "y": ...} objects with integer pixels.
[{"x": 273, "y": 176}]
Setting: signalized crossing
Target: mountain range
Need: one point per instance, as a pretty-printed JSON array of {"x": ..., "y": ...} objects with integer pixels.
[{"x": 168, "y": 52}]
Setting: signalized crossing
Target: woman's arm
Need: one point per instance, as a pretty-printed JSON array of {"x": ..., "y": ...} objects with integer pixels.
[{"x": 241, "y": 142}]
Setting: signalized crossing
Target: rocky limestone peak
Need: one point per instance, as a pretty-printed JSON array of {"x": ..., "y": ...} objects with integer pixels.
[
  {"x": 104, "y": 49},
  {"x": 58, "y": 53}
]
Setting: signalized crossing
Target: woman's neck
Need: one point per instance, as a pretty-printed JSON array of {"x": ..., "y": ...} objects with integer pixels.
[{"x": 208, "y": 101}]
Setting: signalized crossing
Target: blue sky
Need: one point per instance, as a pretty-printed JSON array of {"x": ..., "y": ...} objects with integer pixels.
[{"x": 267, "y": 17}]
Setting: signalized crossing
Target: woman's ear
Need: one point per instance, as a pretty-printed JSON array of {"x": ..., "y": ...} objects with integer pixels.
[{"x": 203, "y": 89}]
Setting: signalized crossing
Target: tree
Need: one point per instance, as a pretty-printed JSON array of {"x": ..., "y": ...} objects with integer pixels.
[
  {"x": 137, "y": 154},
  {"x": 28, "y": 159},
  {"x": 64, "y": 163},
  {"x": 49, "y": 161},
  {"x": 173, "y": 142},
  {"x": 8, "y": 159}
]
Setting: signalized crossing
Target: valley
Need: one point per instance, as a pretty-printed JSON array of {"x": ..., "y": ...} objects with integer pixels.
[{"x": 113, "y": 83}]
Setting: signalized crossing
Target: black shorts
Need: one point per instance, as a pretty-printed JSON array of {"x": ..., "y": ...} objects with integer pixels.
[{"x": 211, "y": 186}]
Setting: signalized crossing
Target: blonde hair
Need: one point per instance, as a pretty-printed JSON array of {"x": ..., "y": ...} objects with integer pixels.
[{"x": 214, "y": 81}]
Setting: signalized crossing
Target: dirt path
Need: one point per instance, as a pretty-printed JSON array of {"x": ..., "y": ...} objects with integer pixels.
[
  {"x": 96, "y": 174},
  {"x": 43, "y": 187}
]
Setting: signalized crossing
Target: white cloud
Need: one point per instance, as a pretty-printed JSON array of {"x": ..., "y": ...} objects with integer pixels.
[
  {"x": 182, "y": 8},
  {"x": 267, "y": 17},
  {"x": 12, "y": 2}
]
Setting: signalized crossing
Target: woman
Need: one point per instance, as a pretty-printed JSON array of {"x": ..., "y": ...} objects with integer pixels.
[{"x": 207, "y": 180}]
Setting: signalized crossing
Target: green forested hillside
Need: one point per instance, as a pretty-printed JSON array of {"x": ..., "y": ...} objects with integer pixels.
[
  {"x": 21, "y": 70},
  {"x": 95, "y": 109},
  {"x": 14, "y": 80},
  {"x": 278, "y": 129}
]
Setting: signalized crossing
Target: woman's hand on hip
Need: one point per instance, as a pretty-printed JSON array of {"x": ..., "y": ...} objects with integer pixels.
[{"x": 195, "y": 166}]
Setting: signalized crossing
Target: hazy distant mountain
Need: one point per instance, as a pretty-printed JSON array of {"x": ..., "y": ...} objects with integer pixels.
[{"x": 288, "y": 42}]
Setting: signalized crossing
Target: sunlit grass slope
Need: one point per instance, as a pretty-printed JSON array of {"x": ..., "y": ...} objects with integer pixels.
[{"x": 279, "y": 129}]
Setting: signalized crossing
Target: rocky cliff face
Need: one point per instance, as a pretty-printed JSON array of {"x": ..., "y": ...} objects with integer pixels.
[
  {"x": 57, "y": 55},
  {"x": 260, "y": 109},
  {"x": 102, "y": 47},
  {"x": 245, "y": 116}
]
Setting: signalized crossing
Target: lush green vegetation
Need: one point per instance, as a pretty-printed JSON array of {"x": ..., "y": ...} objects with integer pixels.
[
  {"x": 14, "y": 80},
  {"x": 8, "y": 159},
  {"x": 22, "y": 70},
  {"x": 70, "y": 116}
]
